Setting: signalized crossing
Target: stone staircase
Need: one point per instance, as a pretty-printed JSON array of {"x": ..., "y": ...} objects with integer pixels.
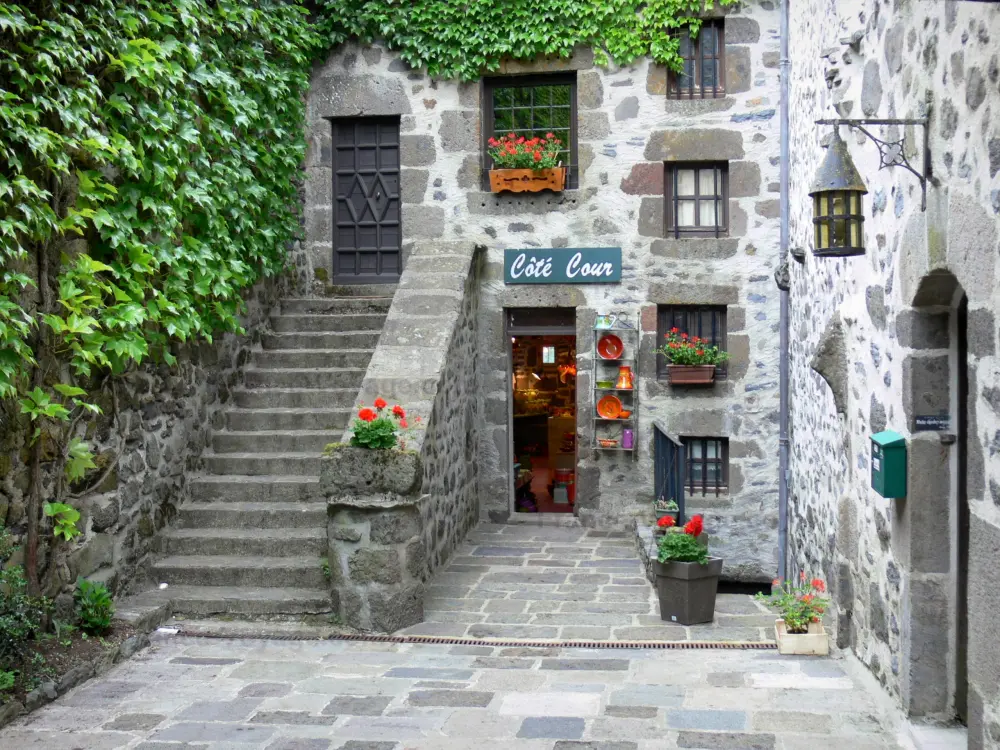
[{"x": 252, "y": 538}]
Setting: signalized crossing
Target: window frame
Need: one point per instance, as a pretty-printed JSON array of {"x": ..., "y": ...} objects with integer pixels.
[
  {"x": 671, "y": 169},
  {"x": 666, "y": 316},
  {"x": 697, "y": 90},
  {"x": 720, "y": 487},
  {"x": 528, "y": 81}
]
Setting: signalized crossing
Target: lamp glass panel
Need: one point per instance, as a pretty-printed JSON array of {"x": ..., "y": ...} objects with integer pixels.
[{"x": 856, "y": 240}]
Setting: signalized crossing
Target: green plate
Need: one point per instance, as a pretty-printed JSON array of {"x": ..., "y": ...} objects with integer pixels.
[{"x": 605, "y": 384}]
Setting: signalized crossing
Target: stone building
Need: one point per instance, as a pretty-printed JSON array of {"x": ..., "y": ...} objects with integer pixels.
[
  {"x": 903, "y": 338},
  {"x": 630, "y": 132}
]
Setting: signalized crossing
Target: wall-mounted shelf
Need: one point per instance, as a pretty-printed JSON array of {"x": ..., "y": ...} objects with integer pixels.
[{"x": 607, "y": 369}]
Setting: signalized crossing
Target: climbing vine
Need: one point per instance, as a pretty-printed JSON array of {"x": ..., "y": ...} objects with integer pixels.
[{"x": 464, "y": 38}]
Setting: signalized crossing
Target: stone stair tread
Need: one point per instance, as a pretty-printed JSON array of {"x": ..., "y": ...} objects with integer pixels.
[
  {"x": 256, "y": 478},
  {"x": 266, "y": 389},
  {"x": 351, "y": 332},
  {"x": 236, "y": 561},
  {"x": 257, "y": 593},
  {"x": 360, "y": 370},
  {"x": 237, "y": 628},
  {"x": 274, "y": 433},
  {"x": 246, "y": 506},
  {"x": 323, "y": 350},
  {"x": 264, "y": 454},
  {"x": 289, "y": 533}
]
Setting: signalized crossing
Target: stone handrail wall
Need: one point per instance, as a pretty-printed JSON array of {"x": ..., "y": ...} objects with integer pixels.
[{"x": 396, "y": 516}]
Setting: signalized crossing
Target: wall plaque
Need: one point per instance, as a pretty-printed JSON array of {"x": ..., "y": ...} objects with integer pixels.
[
  {"x": 932, "y": 423},
  {"x": 563, "y": 265}
]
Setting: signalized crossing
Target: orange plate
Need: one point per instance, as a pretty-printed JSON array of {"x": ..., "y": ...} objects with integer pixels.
[
  {"x": 610, "y": 347},
  {"x": 609, "y": 407}
]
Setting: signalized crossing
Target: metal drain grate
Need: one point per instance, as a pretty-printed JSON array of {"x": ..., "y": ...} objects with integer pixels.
[{"x": 496, "y": 643}]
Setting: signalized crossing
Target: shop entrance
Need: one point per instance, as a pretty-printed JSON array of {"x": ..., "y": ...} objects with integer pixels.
[{"x": 542, "y": 369}]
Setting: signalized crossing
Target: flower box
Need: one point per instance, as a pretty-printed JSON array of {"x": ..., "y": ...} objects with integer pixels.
[
  {"x": 691, "y": 374},
  {"x": 527, "y": 180},
  {"x": 687, "y": 590},
  {"x": 813, "y": 643}
]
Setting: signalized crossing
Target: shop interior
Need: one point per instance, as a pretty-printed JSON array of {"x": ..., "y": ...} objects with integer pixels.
[{"x": 544, "y": 429}]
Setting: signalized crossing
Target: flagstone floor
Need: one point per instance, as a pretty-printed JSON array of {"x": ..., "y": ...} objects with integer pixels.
[
  {"x": 187, "y": 693},
  {"x": 544, "y": 582}
]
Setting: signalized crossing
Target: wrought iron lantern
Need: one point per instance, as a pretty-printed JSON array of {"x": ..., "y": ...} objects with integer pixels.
[{"x": 838, "y": 216}]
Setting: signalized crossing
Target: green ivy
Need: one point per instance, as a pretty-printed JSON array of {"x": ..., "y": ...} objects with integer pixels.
[{"x": 465, "y": 38}]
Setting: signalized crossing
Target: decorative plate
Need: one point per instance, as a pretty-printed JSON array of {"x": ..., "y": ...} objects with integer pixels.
[
  {"x": 610, "y": 347},
  {"x": 609, "y": 407}
]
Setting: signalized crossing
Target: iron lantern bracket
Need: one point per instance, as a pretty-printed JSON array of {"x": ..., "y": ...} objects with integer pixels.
[{"x": 893, "y": 153}]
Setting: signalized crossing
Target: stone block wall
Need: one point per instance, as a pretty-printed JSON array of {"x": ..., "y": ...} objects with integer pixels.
[
  {"x": 396, "y": 517},
  {"x": 627, "y": 129},
  {"x": 874, "y": 343},
  {"x": 147, "y": 442}
]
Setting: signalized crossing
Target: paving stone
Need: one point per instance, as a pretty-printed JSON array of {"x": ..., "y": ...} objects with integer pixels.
[
  {"x": 211, "y": 732},
  {"x": 172, "y": 746},
  {"x": 449, "y": 698},
  {"x": 648, "y": 695},
  {"x": 502, "y": 662},
  {"x": 512, "y": 631},
  {"x": 234, "y": 710},
  {"x": 576, "y": 745},
  {"x": 611, "y": 728},
  {"x": 550, "y": 704},
  {"x": 204, "y": 660},
  {"x": 705, "y": 719},
  {"x": 575, "y": 687},
  {"x": 429, "y": 673},
  {"x": 631, "y": 712},
  {"x": 725, "y": 741},
  {"x": 792, "y": 721},
  {"x": 291, "y": 717},
  {"x": 726, "y": 679},
  {"x": 299, "y": 743},
  {"x": 399, "y": 728},
  {"x": 548, "y": 727},
  {"x": 586, "y": 633},
  {"x": 265, "y": 690},
  {"x": 135, "y": 722},
  {"x": 361, "y": 745},
  {"x": 589, "y": 665},
  {"x": 350, "y": 705},
  {"x": 274, "y": 671}
]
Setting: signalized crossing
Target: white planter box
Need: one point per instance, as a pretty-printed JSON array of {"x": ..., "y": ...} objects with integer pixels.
[{"x": 813, "y": 643}]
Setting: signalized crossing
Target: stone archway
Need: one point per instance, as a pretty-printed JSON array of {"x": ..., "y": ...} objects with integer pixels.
[{"x": 930, "y": 527}]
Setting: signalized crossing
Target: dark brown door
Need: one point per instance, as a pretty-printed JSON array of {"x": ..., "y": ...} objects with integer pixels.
[{"x": 367, "y": 230}]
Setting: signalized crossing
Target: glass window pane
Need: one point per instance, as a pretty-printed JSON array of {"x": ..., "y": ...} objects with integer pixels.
[
  {"x": 686, "y": 47},
  {"x": 706, "y": 182},
  {"x": 708, "y": 39},
  {"x": 548, "y": 355},
  {"x": 694, "y": 448},
  {"x": 840, "y": 233},
  {"x": 709, "y": 73},
  {"x": 706, "y": 214},
  {"x": 522, "y": 119},
  {"x": 712, "y": 449},
  {"x": 556, "y": 118},
  {"x": 696, "y": 472},
  {"x": 685, "y": 182},
  {"x": 839, "y": 206},
  {"x": 503, "y": 98},
  {"x": 856, "y": 233},
  {"x": 685, "y": 214},
  {"x": 713, "y": 473},
  {"x": 823, "y": 235},
  {"x": 503, "y": 121}
]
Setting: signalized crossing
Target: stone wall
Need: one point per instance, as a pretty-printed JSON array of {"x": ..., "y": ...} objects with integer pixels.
[
  {"x": 147, "y": 442},
  {"x": 396, "y": 517},
  {"x": 627, "y": 128},
  {"x": 874, "y": 342}
]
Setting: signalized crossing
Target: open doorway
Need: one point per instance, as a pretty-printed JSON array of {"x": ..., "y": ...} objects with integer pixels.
[{"x": 543, "y": 409}]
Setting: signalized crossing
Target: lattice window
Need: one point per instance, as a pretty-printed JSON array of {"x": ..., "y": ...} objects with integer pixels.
[
  {"x": 697, "y": 199},
  {"x": 703, "y": 74},
  {"x": 707, "y": 468}
]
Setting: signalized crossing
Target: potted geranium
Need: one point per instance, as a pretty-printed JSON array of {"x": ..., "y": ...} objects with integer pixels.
[
  {"x": 665, "y": 507},
  {"x": 526, "y": 164},
  {"x": 800, "y": 628},
  {"x": 376, "y": 430},
  {"x": 692, "y": 360},
  {"x": 687, "y": 577}
]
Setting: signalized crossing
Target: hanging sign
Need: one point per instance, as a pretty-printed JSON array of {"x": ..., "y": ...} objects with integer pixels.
[{"x": 563, "y": 265}]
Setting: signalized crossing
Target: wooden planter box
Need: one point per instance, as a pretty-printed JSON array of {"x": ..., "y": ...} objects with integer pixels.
[
  {"x": 687, "y": 590},
  {"x": 527, "y": 180},
  {"x": 691, "y": 374},
  {"x": 813, "y": 643}
]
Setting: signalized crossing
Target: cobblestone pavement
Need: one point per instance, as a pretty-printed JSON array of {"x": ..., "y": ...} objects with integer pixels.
[
  {"x": 186, "y": 693},
  {"x": 549, "y": 582}
]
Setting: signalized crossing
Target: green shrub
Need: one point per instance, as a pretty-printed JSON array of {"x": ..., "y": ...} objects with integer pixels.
[
  {"x": 94, "y": 607},
  {"x": 7, "y": 681},
  {"x": 21, "y": 616}
]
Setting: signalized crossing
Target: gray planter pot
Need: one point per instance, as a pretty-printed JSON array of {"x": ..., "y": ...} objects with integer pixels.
[{"x": 687, "y": 590}]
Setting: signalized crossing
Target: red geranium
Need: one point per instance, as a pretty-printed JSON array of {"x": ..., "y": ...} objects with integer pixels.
[
  {"x": 380, "y": 403},
  {"x": 397, "y": 411},
  {"x": 367, "y": 415},
  {"x": 666, "y": 522},
  {"x": 695, "y": 526}
]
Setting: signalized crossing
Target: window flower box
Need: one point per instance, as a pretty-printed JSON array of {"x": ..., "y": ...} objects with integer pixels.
[
  {"x": 813, "y": 643},
  {"x": 691, "y": 374},
  {"x": 527, "y": 180},
  {"x": 526, "y": 165}
]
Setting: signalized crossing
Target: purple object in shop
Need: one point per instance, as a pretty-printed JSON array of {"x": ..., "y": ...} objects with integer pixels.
[{"x": 627, "y": 440}]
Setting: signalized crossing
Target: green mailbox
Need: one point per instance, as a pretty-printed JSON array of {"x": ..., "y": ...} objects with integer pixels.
[{"x": 889, "y": 464}]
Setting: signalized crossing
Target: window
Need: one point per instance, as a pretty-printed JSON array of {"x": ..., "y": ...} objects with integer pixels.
[
  {"x": 697, "y": 203},
  {"x": 706, "y": 322},
  {"x": 548, "y": 355},
  {"x": 707, "y": 465},
  {"x": 703, "y": 75},
  {"x": 533, "y": 106}
]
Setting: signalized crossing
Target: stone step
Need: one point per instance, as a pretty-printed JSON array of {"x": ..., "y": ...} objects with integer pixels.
[
  {"x": 300, "y": 629},
  {"x": 296, "y": 398},
  {"x": 275, "y": 441},
  {"x": 322, "y": 340},
  {"x": 308, "y": 323},
  {"x": 329, "y": 305},
  {"x": 360, "y": 290},
  {"x": 260, "y": 464},
  {"x": 251, "y": 515},
  {"x": 248, "y": 420},
  {"x": 304, "y": 378},
  {"x": 278, "y": 358},
  {"x": 232, "y": 600},
  {"x": 270, "y": 488},
  {"x": 256, "y": 542},
  {"x": 223, "y": 570}
]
